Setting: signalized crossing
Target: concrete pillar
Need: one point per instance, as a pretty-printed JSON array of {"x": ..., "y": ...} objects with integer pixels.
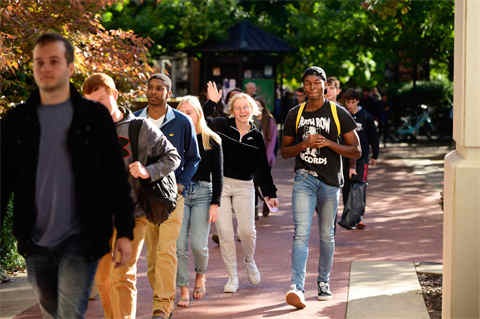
[{"x": 461, "y": 225}]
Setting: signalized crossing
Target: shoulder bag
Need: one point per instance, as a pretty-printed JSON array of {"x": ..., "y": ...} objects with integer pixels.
[{"x": 158, "y": 198}]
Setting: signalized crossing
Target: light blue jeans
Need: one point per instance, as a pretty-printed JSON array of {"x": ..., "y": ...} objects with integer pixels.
[
  {"x": 195, "y": 230},
  {"x": 61, "y": 278},
  {"x": 310, "y": 193}
]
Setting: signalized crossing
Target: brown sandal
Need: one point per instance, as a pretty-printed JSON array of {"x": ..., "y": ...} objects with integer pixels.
[
  {"x": 200, "y": 291},
  {"x": 184, "y": 302}
]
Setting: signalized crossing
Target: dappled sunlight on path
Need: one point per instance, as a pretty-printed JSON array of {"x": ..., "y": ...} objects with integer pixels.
[{"x": 404, "y": 223}]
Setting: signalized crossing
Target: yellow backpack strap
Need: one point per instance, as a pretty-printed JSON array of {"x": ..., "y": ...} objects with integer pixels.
[
  {"x": 333, "y": 107},
  {"x": 299, "y": 115}
]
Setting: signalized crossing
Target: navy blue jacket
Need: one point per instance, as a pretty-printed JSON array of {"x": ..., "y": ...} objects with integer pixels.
[
  {"x": 367, "y": 133},
  {"x": 179, "y": 130}
]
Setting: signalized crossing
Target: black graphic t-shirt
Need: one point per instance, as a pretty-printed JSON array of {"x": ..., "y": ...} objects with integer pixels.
[{"x": 323, "y": 162}]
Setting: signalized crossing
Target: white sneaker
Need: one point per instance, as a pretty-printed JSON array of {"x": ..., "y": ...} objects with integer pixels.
[
  {"x": 253, "y": 272},
  {"x": 295, "y": 298},
  {"x": 231, "y": 286}
]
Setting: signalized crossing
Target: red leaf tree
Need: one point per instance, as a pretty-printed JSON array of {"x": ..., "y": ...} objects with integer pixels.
[{"x": 121, "y": 54}]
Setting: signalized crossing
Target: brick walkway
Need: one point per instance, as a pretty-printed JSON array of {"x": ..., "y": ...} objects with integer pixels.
[{"x": 404, "y": 223}]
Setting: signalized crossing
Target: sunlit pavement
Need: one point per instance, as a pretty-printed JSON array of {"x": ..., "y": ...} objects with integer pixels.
[{"x": 404, "y": 223}]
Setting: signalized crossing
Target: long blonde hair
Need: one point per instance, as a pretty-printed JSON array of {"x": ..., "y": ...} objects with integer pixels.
[{"x": 201, "y": 126}]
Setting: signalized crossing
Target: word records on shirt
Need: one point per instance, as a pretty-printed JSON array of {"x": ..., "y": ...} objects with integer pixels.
[
  {"x": 323, "y": 161},
  {"x": 312, "y": 126}
]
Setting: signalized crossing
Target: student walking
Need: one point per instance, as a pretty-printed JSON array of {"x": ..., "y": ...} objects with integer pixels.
[
  {"x": 357, "y": 171},
  {"x": 312, "y": 135},
  {"x": 244, "y": 156},
  {"x": 268, "y": 127},
  {"x": 333, "y": 89},
  {"x": 117, "y": 285},
  {"x": 214, "y": 102},
  {"x": 161, "y": 241},
  {"x": 202, "y": 201},
  {"x": 61, "y": 159}
]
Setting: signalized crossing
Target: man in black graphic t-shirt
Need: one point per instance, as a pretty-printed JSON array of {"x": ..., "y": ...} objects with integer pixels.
[
  {"x": 312, "y": 135},
  {"x": 322, "y": 162}
]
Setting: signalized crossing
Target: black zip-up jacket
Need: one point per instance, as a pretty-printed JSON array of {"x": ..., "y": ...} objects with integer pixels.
[
  {"x": 367, "y": 133},
  {"x": 101, "y": 180},
  {"x": 210, "y": 168},
  {"x": 244, "y": 158}
]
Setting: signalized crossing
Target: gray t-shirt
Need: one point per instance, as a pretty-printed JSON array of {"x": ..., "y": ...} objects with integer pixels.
[{"x": 55, "y": 191}]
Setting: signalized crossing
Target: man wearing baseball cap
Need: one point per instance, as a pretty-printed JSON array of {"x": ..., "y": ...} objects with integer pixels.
[{"x": 317, "y": 133}]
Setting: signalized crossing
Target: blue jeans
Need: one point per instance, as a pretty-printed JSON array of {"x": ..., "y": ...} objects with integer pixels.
[
  {"x": 61, "y": 278},
  {"x": 310, "y": 193},
  {"x": 195, "y": 230}
]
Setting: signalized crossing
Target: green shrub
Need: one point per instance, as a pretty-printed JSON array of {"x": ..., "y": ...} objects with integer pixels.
[
  {"x": 438, "y": 95},
  {"x": 10, "y": 260}
]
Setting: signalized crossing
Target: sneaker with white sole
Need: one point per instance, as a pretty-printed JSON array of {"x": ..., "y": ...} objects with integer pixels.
[
  {"x": 324, "y": 292},
  {"x": 253, "y": 272},
  {"x": 295, "y": 297},
  {"x": 231, "y": 286}
]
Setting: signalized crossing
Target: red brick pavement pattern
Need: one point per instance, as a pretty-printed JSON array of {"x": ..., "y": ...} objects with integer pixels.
[{"x": 404, "y": 223}]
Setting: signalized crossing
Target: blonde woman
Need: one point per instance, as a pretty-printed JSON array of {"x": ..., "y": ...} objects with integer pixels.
[
  {"x": 202, "y": 200},
  {"x": 244, "y": 158}
]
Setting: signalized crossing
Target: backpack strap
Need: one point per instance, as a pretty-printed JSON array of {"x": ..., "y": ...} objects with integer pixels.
[
  {"x": 133, "y": 132},
  {"x": 299, "y": 115},
  {"x": 333, "y": 107}
]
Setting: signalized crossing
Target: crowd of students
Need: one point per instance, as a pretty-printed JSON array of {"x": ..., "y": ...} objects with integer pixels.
[{"x": 67, "y": 169}]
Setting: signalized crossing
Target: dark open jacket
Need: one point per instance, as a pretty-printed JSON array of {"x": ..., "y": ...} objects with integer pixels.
[
  {"x": 101, "y": 183},
  {"x": 367, "y": 133}
]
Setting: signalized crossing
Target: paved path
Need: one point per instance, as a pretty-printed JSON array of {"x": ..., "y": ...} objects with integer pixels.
[
  {"x": 404, "y": 223},
  {"x": 385, "y": 289}
]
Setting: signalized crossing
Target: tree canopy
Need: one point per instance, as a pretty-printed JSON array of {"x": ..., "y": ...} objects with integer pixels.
[
  {"x": 360, "y": 41},
  {"x": 121, "y": 54},
  {"x": 363, "y": 42},
  {"x": 173, "y": 25}
]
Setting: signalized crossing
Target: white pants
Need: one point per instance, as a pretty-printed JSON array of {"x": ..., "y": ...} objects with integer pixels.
[{"x": 237, "y": 197}]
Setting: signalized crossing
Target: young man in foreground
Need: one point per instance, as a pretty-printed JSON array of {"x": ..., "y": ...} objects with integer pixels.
[{"x": 62, "y": 161}]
